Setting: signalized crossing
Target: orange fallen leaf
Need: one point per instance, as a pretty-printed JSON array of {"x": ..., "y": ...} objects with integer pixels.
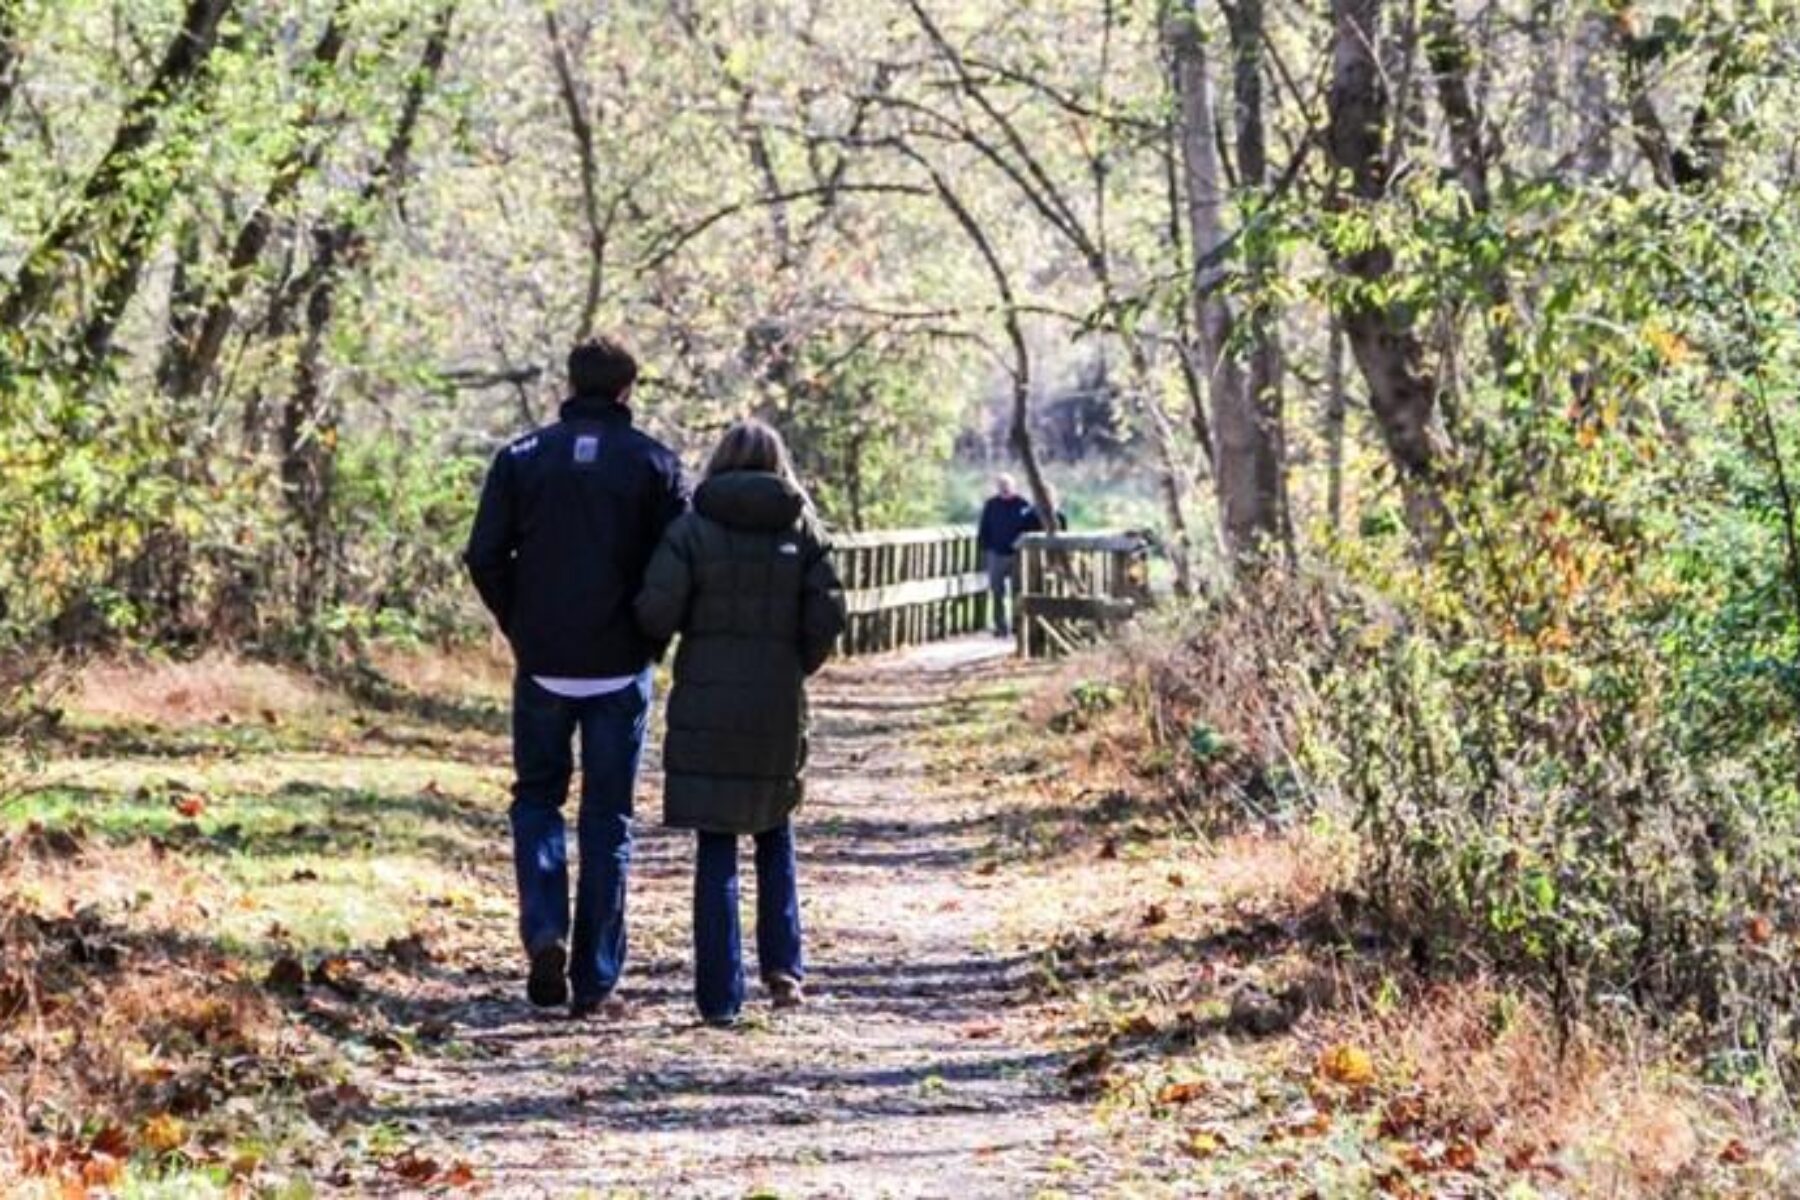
[
  {"x": 1155, "y": 914},
  {"x": 1181, "y": 1093},
  {"x": 460, "y": 1175},
  {"x": 190, "y": 806},
  {"x": 1460, "y": 1155},
  {"x": 102, "y": 1171},
  {"x": 1347, "y": 1064},
  {"x": 1735, "y": 1153},
  {"x": 1759, "y": 930},
  {"x": 163, "y": 1133}
]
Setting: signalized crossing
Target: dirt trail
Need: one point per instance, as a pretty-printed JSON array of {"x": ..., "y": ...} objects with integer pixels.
[{"x": 912, "y": 1072}]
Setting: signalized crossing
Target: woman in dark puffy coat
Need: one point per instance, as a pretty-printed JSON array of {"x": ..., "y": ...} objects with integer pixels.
[{"x": 746, "y": 580}]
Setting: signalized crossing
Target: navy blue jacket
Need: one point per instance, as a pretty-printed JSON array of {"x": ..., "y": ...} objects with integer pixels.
[
  {"x": 1004, "y": 521},
  {"x": 568, "y": 521}
]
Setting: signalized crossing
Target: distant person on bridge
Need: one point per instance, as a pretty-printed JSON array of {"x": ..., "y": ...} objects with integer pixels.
[
  {"x": 746, "y": 579},
  {"x": 1005, "y": 518},
  {"x": 568, "y": 521}
]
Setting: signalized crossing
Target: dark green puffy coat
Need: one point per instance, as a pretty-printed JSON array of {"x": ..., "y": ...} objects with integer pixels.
[{"x": 746, "y": 580}]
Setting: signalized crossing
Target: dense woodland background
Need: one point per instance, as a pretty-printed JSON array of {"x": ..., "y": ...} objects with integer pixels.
[{"x": 1450, "y": 347}]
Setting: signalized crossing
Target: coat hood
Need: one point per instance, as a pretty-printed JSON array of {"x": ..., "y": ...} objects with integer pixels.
[{"x": 758, "y": 500}]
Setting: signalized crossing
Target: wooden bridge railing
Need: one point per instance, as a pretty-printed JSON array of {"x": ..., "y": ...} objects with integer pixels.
[
  {"x": 904, "y": 587},
  {"x": 1072, "y": 588}
]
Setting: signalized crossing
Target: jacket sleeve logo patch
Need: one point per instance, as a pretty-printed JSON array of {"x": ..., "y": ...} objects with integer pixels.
[
  {"x": 587, "y": 448},
  {"x": 521, "y": 448}
]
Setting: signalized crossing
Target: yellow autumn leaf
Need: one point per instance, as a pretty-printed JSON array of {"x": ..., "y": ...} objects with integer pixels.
[
  {"x": 1347, "y": 1064},
  {"x": 163, "y": 1133},
  {"x": 1669, "y": 345},
  {"x": 1203, "y": 1144}
]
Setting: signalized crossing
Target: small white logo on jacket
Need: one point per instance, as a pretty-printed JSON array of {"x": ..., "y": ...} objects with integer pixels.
[{"x": 789, "y": 548}]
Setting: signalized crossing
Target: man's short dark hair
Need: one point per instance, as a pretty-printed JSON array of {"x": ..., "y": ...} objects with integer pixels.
[{"x": 601, "y": 367}]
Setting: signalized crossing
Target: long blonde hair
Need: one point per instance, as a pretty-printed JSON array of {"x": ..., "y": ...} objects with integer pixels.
[{"x": 753, "y": 445}]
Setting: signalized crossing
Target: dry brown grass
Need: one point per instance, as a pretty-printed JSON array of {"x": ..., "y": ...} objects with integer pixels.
[
  {"x": 162, "y": 692},
  {"x": 484, "y": 669},
  {"x": 1612, "y": 1114},
  {"x": 106, "y": 1023}
]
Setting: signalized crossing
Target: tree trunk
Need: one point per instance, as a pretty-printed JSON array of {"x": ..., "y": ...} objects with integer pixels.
[
  {"x": 1402, "y": 393},
  {"x": 12, "y": 14},
  {"x": 1336, "y": 411},
  {"x": 1546, "y": 72},
  {"x": 1246, "y": 452},
  {"x": 1593, "y": 101}
]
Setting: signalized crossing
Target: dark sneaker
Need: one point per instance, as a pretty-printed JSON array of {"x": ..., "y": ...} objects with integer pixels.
[
  {"x": 728, "y": 1021},
  {"x": 785, "y": 991},
  {"x": 548, "y": 985},
  {"x": 608, "y": 1006}
]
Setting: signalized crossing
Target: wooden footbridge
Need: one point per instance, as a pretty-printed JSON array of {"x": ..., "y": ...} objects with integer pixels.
[{"x": 905, "y": 587}]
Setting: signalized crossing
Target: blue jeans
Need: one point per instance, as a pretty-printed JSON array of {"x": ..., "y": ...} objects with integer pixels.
[
  {"x": 612, "y": 742},
  {"x": 718, "y": 949}
]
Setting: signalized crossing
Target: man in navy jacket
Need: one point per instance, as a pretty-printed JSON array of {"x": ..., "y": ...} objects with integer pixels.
[
  {"x": 1005, "y": 518},
  {"x": 569, "y": 518}
]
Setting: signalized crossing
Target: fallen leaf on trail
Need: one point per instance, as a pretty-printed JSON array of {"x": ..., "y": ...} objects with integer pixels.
[
  {"x": 1759, "y": 930},
  {"x": 1109, "y": 849},
  {"x": 1522, "y": 1158},
  {"x": 1459, "y": 1155},
  {"x": 305, "y": 875},
  {"x": 1202, "y": 1144},
  {"x": 1181, "y": 1093},
  {"x": 1302, "y": 1122},
  {"x": 112, "y": 1141},
  {"x": 286, "y": 975},
  {"x": 1089, "y": 1064},
  {"x": 1735, "y": 1153},
  {"x": 1155, "y": 914},
  {"x": 460, "y": 1175},
  {"x": 1177, "y": 879},
  {"x": 984, "y": 1029},
  {"x": 333, "y": 971},
  {"x": 1415, "y": 1159},
  {"x": 1394, "y": 1182},
  {"x": 1347, "y": 1064},
  {"x": 1141, "y": 1025},
  {"x": 190, "y": 806},
  {"x": 409, "y": 951},
  {"x": 1401, "y": 1115},
  {"x": 413, "y": 1168},
  {"x": 163, "y": 1133},
  {"x": 988, "y": 867},
  {"x": 102, "y": 1171}
]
